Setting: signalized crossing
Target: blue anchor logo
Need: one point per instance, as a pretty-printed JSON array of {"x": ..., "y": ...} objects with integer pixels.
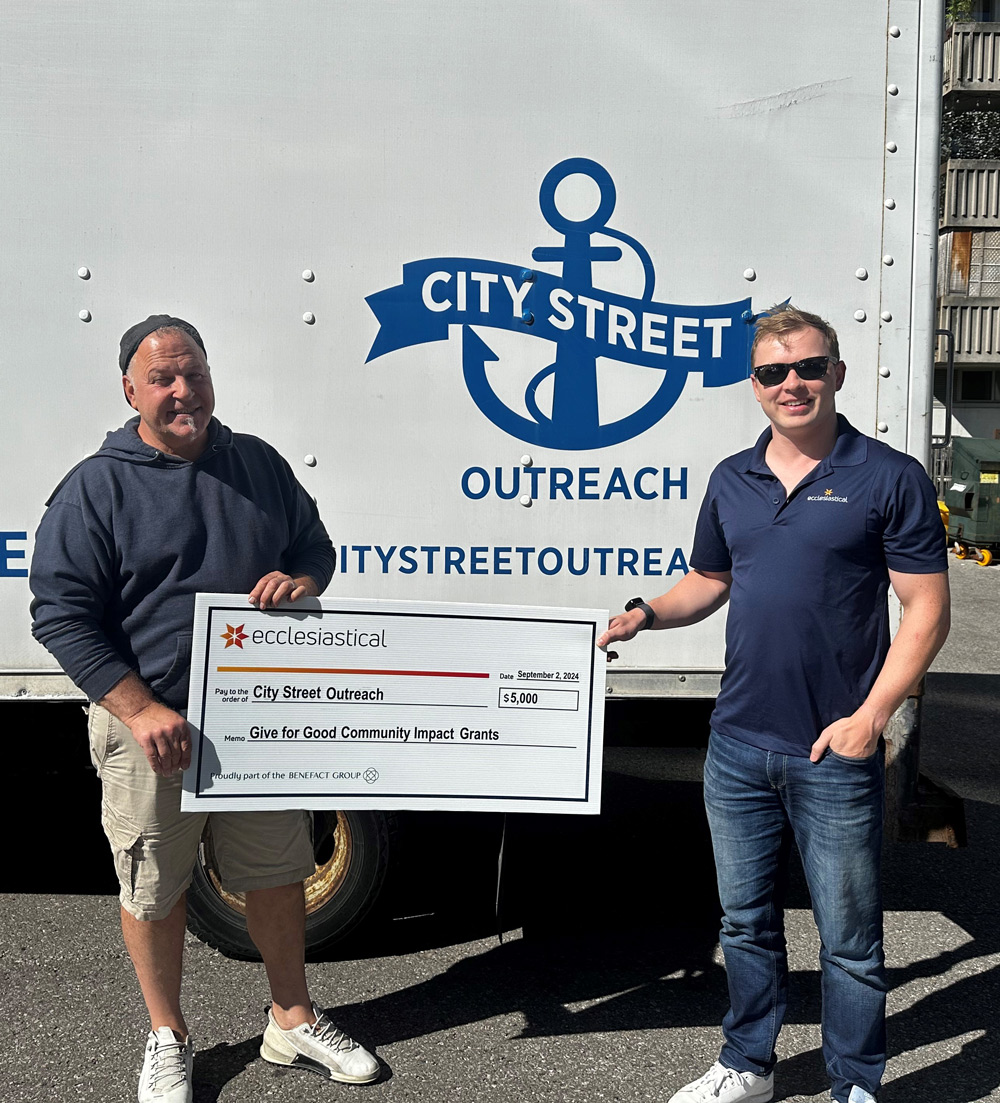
[{"x": 583, "y": 322}]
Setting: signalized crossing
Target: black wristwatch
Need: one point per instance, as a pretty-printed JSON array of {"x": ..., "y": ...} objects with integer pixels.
[{"x": 638, "y": 603}]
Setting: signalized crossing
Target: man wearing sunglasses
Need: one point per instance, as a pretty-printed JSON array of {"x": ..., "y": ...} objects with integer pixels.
[{"x": 802, "y": 535}]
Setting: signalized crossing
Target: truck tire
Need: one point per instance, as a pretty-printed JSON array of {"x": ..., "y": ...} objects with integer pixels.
[{"x": 352, "y": 857}]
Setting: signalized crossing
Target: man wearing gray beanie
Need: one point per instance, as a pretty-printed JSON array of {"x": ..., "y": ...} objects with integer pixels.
[{"x": 173, "y": 504}]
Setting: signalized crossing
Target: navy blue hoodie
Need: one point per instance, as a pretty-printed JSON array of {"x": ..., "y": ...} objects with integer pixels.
[{"x": 132, "y": 534}]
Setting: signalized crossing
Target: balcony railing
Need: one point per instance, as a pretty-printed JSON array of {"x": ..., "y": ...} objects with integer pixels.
[
  {"x": 971, "y": 195},
  {"x": 976, "y": 325},
  {"x": 972, "y": 59}
]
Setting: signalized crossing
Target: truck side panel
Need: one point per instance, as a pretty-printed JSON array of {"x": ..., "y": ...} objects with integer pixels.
[{"x": 350, "y": 201}]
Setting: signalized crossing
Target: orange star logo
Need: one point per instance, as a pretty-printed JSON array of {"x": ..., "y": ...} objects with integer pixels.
[
  {"x": 234, "y": 635},
  {"x": 828, "y": 492}
]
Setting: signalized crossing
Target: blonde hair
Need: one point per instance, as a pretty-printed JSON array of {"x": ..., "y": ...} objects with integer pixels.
[{"x": 782, "y": 321}]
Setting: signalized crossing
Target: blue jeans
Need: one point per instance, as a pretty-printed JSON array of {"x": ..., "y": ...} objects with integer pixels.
[{"x": 757, "y": 801}]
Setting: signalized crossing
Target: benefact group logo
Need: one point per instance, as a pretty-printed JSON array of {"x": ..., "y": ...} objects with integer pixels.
[{"x": 584, "y": 323}]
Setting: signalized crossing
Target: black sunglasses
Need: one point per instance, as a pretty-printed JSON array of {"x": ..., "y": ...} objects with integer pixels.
[{"x": 813, "y": 367}]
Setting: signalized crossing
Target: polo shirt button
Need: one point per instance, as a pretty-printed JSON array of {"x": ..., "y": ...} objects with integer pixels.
[{"x": 775, "y": 500}]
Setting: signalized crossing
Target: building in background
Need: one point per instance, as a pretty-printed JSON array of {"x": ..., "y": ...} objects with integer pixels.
[{"x": 968, "y": 285}]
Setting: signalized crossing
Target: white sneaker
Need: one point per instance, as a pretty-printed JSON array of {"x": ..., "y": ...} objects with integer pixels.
[
  {"x": 722, "y": 1085},
  {"x": 166, "y": 1069},
  {"x": 320, "y": 1047},
  {"x": 859, "y": 1095}
]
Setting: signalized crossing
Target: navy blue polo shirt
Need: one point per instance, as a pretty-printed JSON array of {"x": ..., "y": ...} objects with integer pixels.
[{"x": 808, "y": 626}]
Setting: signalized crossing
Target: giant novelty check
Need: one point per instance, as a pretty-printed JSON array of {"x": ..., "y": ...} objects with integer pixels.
[{"x": 395, "y": 704}]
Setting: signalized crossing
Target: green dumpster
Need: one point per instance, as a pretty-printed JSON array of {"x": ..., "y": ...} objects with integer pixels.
[{"x": 973, "y": 499}]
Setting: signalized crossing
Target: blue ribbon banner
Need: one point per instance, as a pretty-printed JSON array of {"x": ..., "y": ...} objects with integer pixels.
[{"x": 443, "y": 291}]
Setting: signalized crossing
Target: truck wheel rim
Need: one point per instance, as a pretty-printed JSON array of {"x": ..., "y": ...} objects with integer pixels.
[
  {"x": 320, "y": 888},
  {"x": 331, "y": 869}
]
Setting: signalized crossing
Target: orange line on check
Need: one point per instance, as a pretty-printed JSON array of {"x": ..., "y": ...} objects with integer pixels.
[{"x": 346, "y": 670}]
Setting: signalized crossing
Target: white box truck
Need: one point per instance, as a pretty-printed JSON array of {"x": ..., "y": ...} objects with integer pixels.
[{"x": 484, "y": 273}]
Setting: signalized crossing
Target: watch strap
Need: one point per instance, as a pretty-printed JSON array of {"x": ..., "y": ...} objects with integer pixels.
[{"x": 638, "y": 603}]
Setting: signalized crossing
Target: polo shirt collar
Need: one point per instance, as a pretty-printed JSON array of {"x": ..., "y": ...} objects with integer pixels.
[{"x": 849, "y": 450}]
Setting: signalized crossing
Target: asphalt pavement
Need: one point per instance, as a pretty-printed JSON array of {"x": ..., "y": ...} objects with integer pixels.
[{"x": 608, "y": 984}]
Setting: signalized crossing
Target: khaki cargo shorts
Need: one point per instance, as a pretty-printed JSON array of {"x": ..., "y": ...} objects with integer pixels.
[{"x": 155, "y": 844}]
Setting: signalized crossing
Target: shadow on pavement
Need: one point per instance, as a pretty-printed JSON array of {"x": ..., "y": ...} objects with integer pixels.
[
  {"x": 215, "y": 1067},
  {"x": 609, "y": 906},
  {"x": 962, "y": 748}
]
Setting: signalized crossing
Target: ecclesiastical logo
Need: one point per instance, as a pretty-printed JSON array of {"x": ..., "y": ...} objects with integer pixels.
[
  {"x": 234, "y": 636},
  {"x": 584, "y": 323}
]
